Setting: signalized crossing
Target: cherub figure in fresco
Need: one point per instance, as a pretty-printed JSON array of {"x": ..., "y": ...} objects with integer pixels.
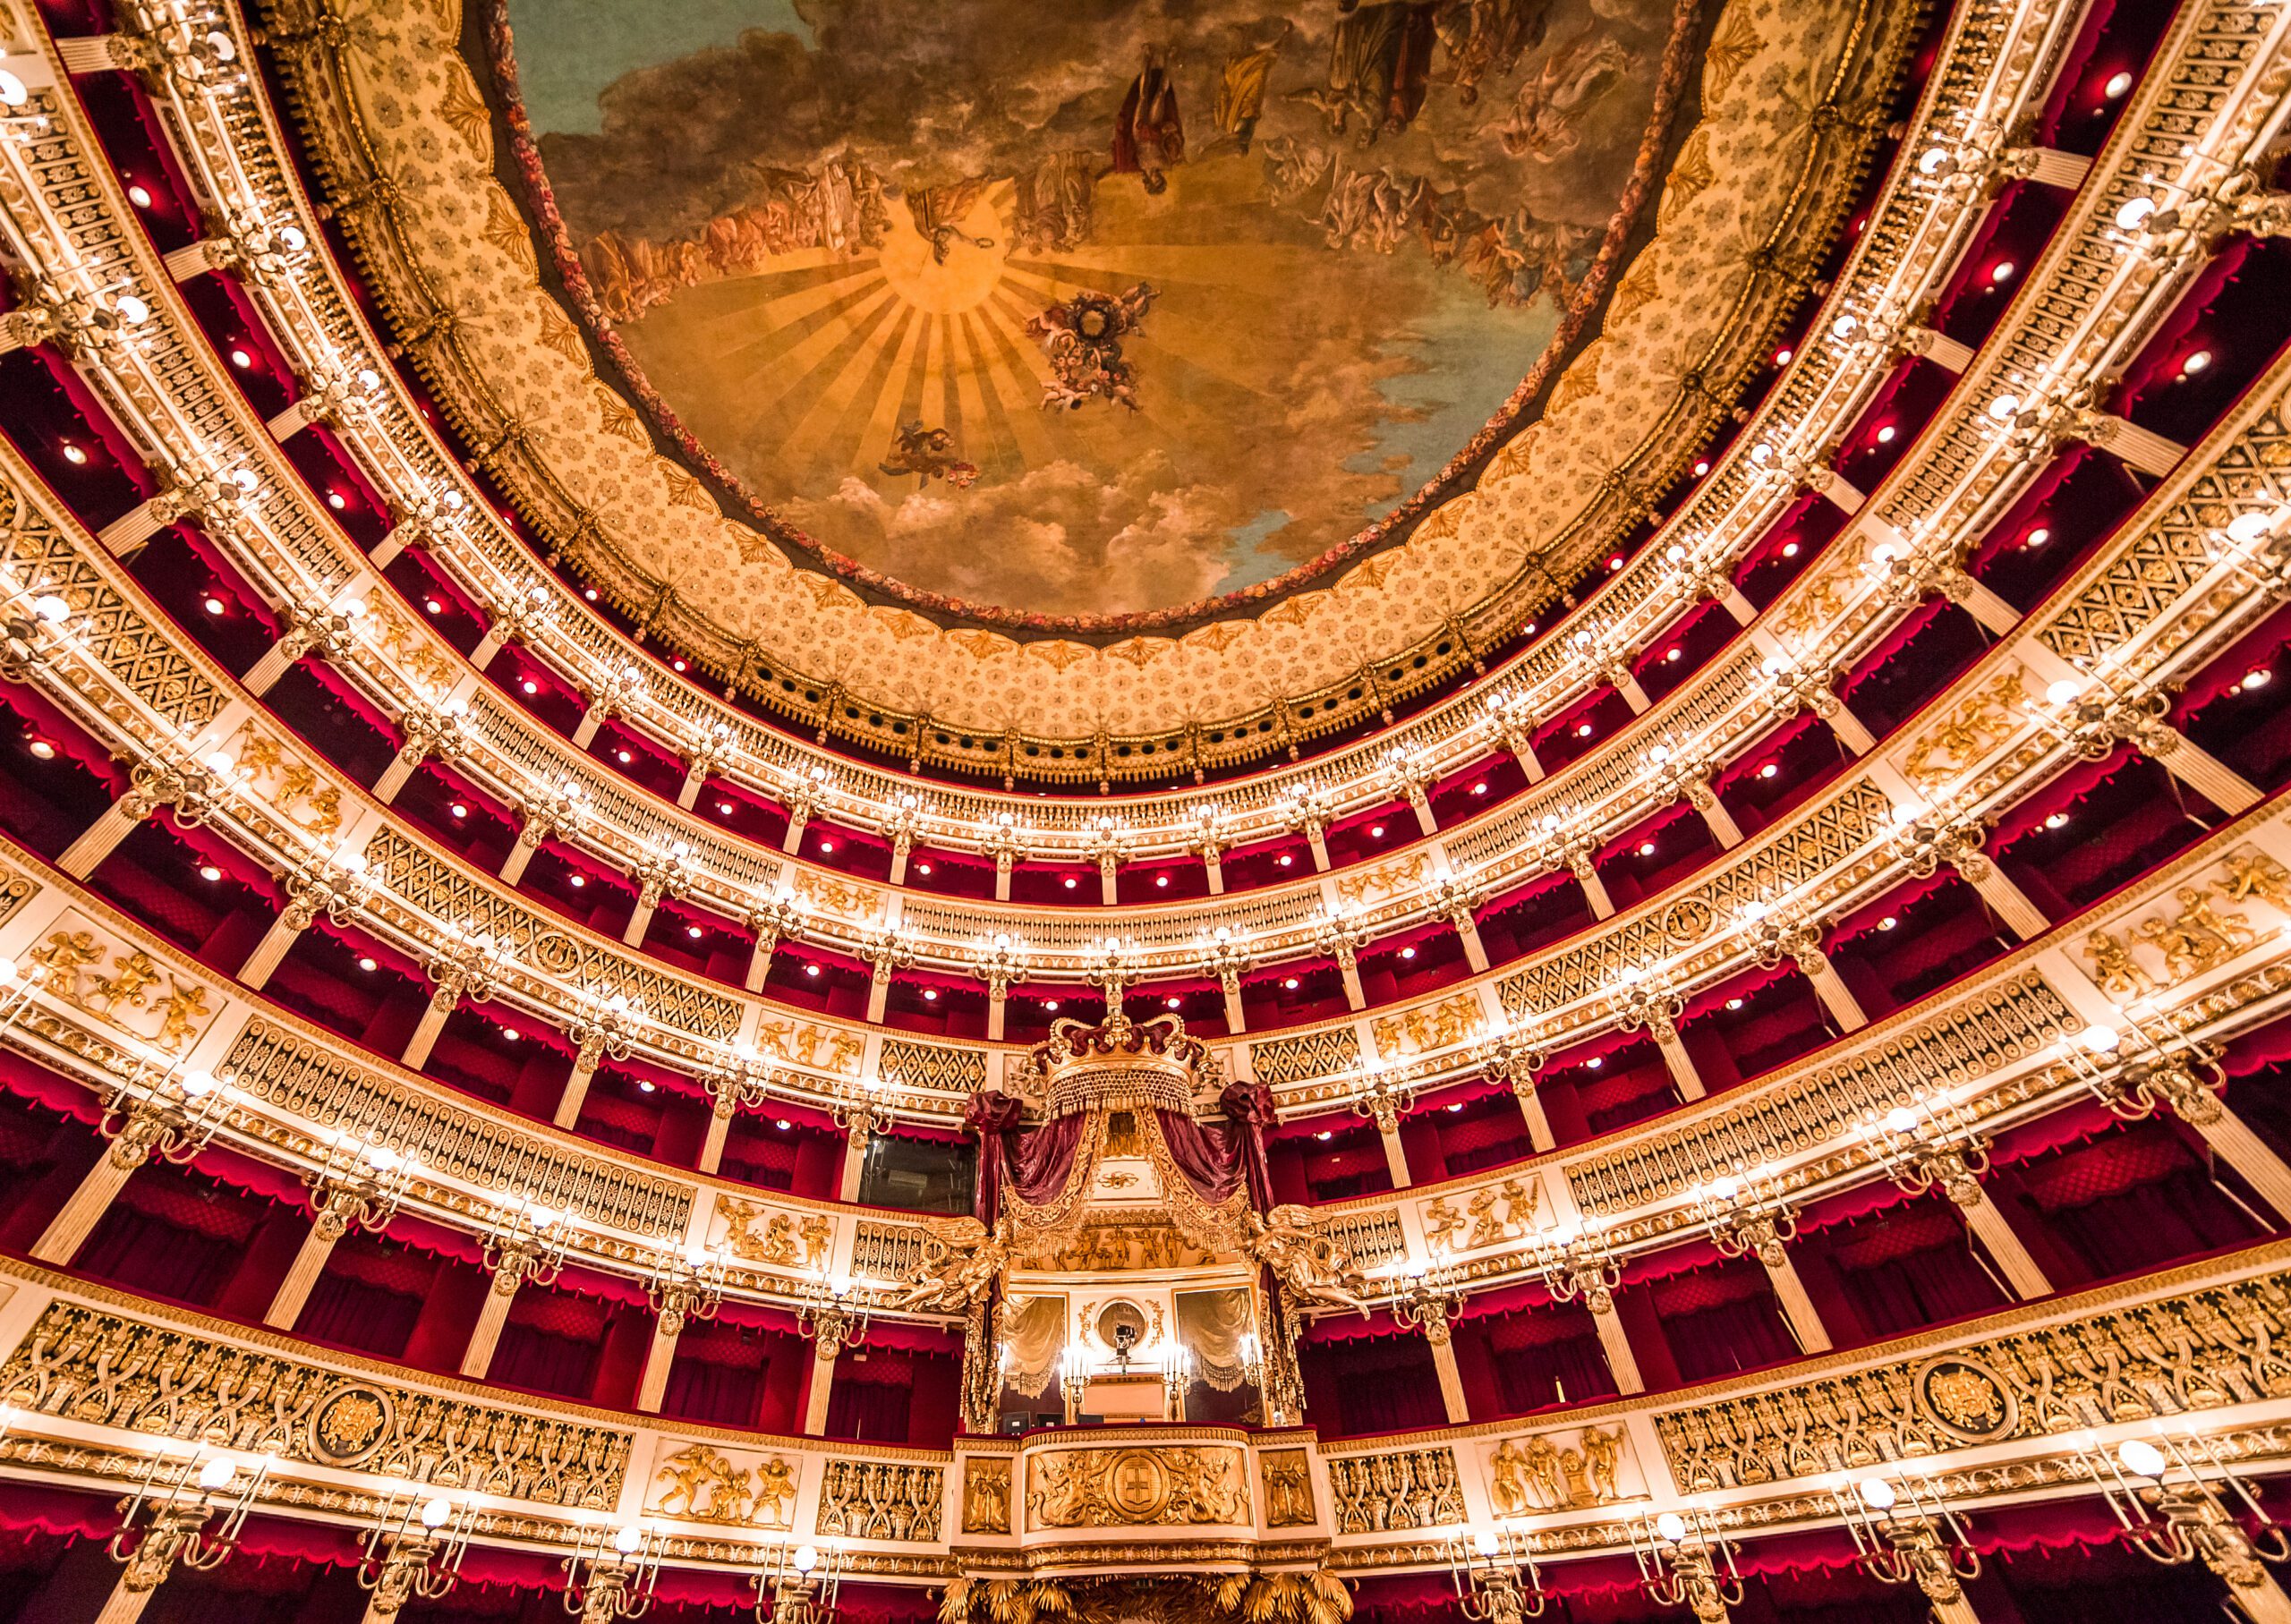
[
  {"x": 1546, "y": 121},
  {"x": 928, "y": 454},
  {"x": 1082, "y": 338},
  {"x": 1148, "y": 133}
]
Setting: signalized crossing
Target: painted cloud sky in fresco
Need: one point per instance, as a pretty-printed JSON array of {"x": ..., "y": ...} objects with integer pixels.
[{"x": 1099, "y": 306}]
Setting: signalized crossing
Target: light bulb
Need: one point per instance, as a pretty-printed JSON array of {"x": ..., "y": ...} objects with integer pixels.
[
  {"x": 217, "y": 1473},
  {"x": 1671, "y": 1528},
  {"x": 806, "y": 1558},
  {"x": 2142, "y": 1459},
  {"x": 1876, "y": 1492},
  {"x": 626, "y": 1541},
  {"x": 434, "y": 1513}
]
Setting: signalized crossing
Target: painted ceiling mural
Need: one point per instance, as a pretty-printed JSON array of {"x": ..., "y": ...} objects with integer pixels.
[{"x": 1093, "y": 309}]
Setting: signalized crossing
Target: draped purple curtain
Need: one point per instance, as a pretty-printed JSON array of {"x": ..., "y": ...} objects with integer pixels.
[
  {"x": 993, "y": 1117},
  {"x": 1040, "y": 1162},
  {"x": 1211, "y": 1157},
  {"x": 1248, "y": 1109}
]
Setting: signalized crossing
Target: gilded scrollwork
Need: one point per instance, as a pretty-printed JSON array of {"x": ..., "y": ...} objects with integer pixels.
[
  {"x": 90, "y": 1365},
  {"x": 986, "y": 1495},
  {"x": 1142, "y": 1486}
]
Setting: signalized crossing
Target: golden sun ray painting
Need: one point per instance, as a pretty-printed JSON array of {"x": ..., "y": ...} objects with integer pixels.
[{"x": 1103, "y": 306}]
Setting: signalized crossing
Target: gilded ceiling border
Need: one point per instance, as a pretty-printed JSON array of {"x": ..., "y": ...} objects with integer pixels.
[
  {"x": 365, "y": 202},
  {"x": 1658, "y": 147}
]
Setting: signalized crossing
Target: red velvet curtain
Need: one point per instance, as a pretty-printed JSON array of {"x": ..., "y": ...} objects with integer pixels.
[
  {"x": 1005, "y": 1155},
  {"x": 1211, "y": 1157}
]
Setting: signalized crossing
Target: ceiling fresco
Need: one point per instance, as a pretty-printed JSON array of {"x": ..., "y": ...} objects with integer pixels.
[{"x": 1088, "y": 310}]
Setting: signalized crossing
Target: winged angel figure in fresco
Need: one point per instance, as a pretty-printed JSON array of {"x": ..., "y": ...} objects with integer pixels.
[{"x": 1082, "y": 337}]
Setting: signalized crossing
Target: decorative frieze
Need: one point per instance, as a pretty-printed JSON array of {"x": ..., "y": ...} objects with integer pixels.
[
  {"x": 1396, "y": 1491},
  {"x": 2199, "y": 1350},
  {"x": 91, "y": 1365},
  {"x": 884, "y": 1500}
]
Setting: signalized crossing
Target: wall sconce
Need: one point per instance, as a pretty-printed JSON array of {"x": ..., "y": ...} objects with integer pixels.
[
  {"x": 1574, "y": 1262},
  {"x": 834, "y": 1313},
  {"x": 1680, "y": 1559},
  {"x": 1924, "y": 1144},
  {"x": 1909, "y": 1533},
  {"x": 357, "y": 1184},
  {"x": 528, "y": 1245},
  {"x": 685, "y": 1289},
  {"x": 1745, "y": 1213},
  {"x": 611, "y": 1573},
  {"x": 156, "y": 1112},
  {"x": 793, "y": 1587},
  {"x": 1494, "y": 1571},
  {"x": 175, "y": 1498},
  {"x": 413, "y": 1551},
  {"x": 2166, "y": 1495}
]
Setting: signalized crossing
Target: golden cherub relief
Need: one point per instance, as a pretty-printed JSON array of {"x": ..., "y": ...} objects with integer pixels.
[
  {"x": 136, "y": 996},
  {"x": 2202, "y": 925},
  {"x": 1432, "y": 1027},
  {"x": 701, "y": 1485},
  {"x": 1491, "y": 1216},
  {"x": 1549, "y": 1472},
  {"x": 755, "y": 1234}
]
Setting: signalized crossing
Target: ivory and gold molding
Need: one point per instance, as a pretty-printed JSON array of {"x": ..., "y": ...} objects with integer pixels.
[{"x": 1991, "y": 1412}]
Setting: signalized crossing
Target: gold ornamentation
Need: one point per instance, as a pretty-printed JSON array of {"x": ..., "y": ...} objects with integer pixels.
[
  {"x": 2251, "y": 872},
  {"x": 1430, "y": 1026},
  {"x": 90, "y": 1365},
  {"x": 884, "y": 1500},
  {"x": 171, "y": 1019},
  {"x": 1501, "y": 1213},
  {"x": 1313, "y": 1268},
  {"x": 1139, "y": 1487},
  {"x": 1980, "y": 725},
  {"x": 1541, "y": 1474},
  {"x": 705, "y": 1487},
  {"x": 1389, "y": 1493},
  {"x": 349, "y": 1422},
  {"x": 2204, "y": 1349},
  {"x": 1288, "y": 1488},
  {"x": 2198, "y": 937},
  {"x": 1442, "y": 1225},
  {"x": 1964, "y": 1397},
  {"x": 780, "y": 1241},
  {"x": 1363, "y": 887},
  {"x": 2114, "y": 969},
  {"x": 821, "y": 1048},
  {"x": 986, "y": 1496}
]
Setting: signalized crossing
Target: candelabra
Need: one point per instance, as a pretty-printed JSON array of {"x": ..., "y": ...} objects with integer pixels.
[
  {"x": 2166, "y": 1495},
  {"x": 175, "y": 1500},
  {"x": 357, "y": 1184},
  {"x": 1427, "y": 1296},
  {"x": 1176, "y": 1377},
  {"x": 686, "y": 1288},
  {"x": 1744, "y": 1212},
  {"x": 1382, "y": 1101},
  {"x": 742, "y": 1079},
  {"x": 1495, "y": 1575},
  {"x": 1073, "y": 1378},
  {"x": 833, "y": 1311},
  {"x": 1907, "y": 1534},
  {"x": 1926, "y": 1143},
  {"x": 1575, "y": 1261},
  {"x": 791, "y": 1586},
  {"x": 30, "y": 623},
  {"x": 611, "y": 1573},
  {"x": 1513, "y": 1056},
  {"x": 153, "y": 1111},
  {"x": 1680, "y": 1561},
  {"x": 466, "y": 964},
  {"x": 413, "y": 1552},
  {"x": 862, "y": 1116},
  {"x": 2147, "y": 1067},
  {"x": 527, "y": 1244}
]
